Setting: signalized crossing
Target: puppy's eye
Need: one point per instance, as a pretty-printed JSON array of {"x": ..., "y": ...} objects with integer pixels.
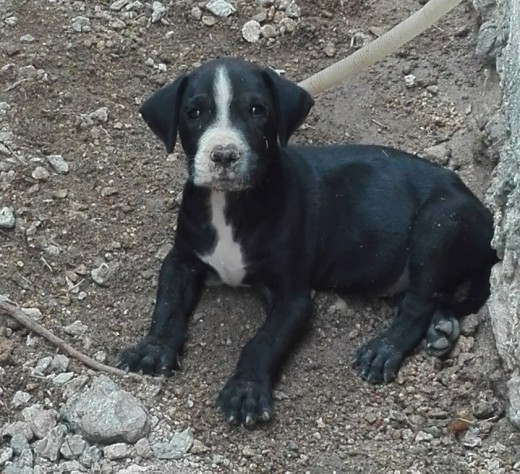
[
  {"x": 194, "y": 113},
  {"x": 258, "y": 111}
]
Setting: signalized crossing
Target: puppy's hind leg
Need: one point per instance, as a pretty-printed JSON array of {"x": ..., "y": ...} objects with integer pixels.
[{"x": 449, "y": 240}]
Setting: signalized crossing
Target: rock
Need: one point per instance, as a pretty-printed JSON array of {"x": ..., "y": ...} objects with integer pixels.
[
  {"x": 209, "y": 20},
  {"x": 338, "y": 307},
  {"x": 439, "y": 153},
  {"x": 90, "y": 456},
  {"x": 103, "y": 273},
  {"x": 81, "y": 24},
  {"x": 22, "y": 428},
  {"x": 482, "y": 5},
  {"x": 105, "y": 414},
  {"x": 409, "y": 81},
  {"x": 28, "y": 72},
  {"x": 179, "y": 445},
  {"x": 27, "y": 39},
  {"x": 199, "y": 447},
  {"x": 470, "y": 438},
  {"x": 116, "y": 451},
  {"x": 42, "y": 366},
  {"x": 196, "y": 13},
  {"x": 251, "y": 31},
  {"x": 100, "y": 115},
  {"x": 143, "y": 449},
  {"x": 43, "y": 422},
  {"x": 163, "y": 251},
  {"x": 423, "y": 437},
  {"x": 34, "y": 313},
  {"x": 220, "y": 8},
  {"x": 118, "y": 5},
  {"x": 133, "y": 469},
  {"x": 77, "y": 328},
  {"x": 268, "y": 31},
  {"x": 292, "y": 10},
  {"x": 60, "y": 363},
  {"x": 330, "y": 50},
  {"x": 489, "y": 42},
  {"x": 40, "y": 174},
  {"x": 18, "y": 443},
  {"x": 58, "y": 164},
  {"x": 20, "y": 398},
  {"x": 6, "y": 454},
  {"x": 49, "y": 447},
  {"x": 62, "y": 379},
  {"x": 73, "y": 446},
  {"x": 158, "y": 11},
  {"x": 513, "y": 387},
  {"x": 7, "y": 219},
  {"x": 265, "y": 3},
  {"x": 469, "y": 325}
]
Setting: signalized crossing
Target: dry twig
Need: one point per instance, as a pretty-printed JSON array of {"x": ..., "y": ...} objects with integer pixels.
[{"x": 12, "y": 309}]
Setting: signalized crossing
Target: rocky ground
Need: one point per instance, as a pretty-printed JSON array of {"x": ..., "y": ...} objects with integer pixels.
[{"x": 87, "y": 210}]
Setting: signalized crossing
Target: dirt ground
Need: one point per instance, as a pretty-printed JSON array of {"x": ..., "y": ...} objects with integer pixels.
[{"x": 117, "y": 205}]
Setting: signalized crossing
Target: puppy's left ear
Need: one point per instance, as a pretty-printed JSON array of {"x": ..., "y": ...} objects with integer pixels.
[
  {"x": 161, "y": 111},
  {"x": 292, "y": 104}
]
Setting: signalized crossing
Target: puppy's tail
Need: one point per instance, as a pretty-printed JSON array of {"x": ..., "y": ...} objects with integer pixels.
[{"x": 473, "y": 295}]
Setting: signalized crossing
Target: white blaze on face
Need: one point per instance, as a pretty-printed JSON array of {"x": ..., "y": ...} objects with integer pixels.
[
  {"x": 221, "y": 132},
  {"x": 226, "y": 258}
]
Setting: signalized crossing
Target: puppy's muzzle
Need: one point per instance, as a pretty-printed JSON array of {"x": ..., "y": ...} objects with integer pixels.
[{"x": 225, "y": 154}]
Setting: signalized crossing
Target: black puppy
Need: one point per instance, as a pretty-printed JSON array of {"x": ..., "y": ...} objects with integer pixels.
[{"x": 291, "y": 219}]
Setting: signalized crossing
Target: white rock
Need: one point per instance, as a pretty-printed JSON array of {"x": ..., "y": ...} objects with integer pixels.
[
  {"x": 220, "y": 8},
  {"x": 20, "y": 398},
  {"x": 40, "y": 173},
  {"x": 99, "y": 115},
  {"x": 6, "y": 454},
  {"x": 7, "y": 219},
  {"x": 27, "y": 39},
  {"x": 116, "y": 451},
  {"x": 118, "y": 5},
  {"x": 58, "y": 163},
  {"x": 158, "y": 11},
  {"x": 409, "y": 80},
  {"x": 42, "y": 366},
  {"x": 33, "y": 313},
  {"x": 81, "y": 24},
  {"x": 77, "y": 328},
  {"x": 251, "y": 31},
  {"x": 293, "y": 10}
]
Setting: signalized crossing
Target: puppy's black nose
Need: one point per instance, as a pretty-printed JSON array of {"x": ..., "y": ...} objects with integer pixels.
[{"x": 225, "y": 154}]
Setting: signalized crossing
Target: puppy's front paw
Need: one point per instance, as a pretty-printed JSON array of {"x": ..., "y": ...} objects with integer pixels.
[
  {"x": 378, "y": 361},
  {"x": 245, "y": 401},
  {"x": 152, "y": 355}
]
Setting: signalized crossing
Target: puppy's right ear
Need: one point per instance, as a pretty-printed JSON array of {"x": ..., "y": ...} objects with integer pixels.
[{"x": 161, "y": 111}]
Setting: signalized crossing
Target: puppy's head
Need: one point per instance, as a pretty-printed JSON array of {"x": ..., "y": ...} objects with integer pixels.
[{"x": 230, "y": 116}]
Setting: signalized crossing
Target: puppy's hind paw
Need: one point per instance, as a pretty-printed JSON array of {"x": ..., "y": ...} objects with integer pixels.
[{"x": 442, "y": 335}]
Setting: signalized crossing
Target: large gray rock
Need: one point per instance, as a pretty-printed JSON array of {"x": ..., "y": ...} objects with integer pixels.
[
  {"x": 504, "y": 200},
  {"x": 106, "y": 414}
]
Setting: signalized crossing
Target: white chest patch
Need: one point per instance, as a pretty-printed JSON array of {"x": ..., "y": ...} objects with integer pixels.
[{"x": 226, "y": 258}]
